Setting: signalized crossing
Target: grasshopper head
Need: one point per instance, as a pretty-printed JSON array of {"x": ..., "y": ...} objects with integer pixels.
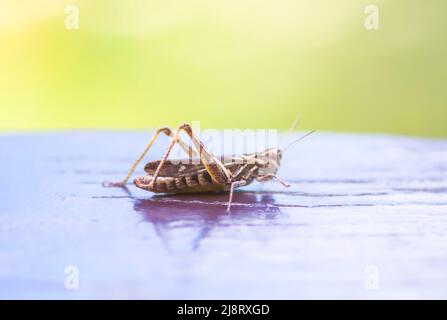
[{"x": 272, "y": 158}]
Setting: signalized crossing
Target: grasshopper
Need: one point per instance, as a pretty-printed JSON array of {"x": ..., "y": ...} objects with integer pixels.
[{"x": 209, "y": 174}]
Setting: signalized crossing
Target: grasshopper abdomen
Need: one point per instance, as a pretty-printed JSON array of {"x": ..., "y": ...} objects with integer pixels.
[{"x": 199, "y": 182}]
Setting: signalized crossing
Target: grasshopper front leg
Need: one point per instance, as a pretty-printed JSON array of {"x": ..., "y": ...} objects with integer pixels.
[
  {"x": 269, "y": 176},
  {"x": 273, "y": 176}
]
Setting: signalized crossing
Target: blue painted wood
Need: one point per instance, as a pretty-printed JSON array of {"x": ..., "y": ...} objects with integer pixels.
[{"x": 365, "y": 217}]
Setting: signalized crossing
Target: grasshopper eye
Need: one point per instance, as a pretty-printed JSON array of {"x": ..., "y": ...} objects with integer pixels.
[{"x": 279, "y": 154}]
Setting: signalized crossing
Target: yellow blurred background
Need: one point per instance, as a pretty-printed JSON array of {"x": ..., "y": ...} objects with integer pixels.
[{"x": 227, "y": 63}]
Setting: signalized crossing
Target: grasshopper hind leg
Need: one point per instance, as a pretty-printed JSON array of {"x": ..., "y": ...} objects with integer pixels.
[{"x": 167, "y": 131}]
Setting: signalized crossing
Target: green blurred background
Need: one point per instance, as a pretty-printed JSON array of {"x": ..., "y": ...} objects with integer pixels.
[{"x": 247, "y": 63}]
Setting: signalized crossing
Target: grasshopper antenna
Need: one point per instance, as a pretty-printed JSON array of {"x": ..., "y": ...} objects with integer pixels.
[
  {"x": 292, "y": 128},
  {"x": 299, "y": 139},
  {"x": 295, "y": 123}
]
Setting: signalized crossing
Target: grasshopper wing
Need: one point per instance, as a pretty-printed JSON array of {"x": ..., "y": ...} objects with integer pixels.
[
  {"x": 176, "y": 168},
  {"x": 182, "y": 167}
]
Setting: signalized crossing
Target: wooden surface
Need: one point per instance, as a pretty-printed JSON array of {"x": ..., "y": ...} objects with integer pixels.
[{"x": 366, "y": 217}]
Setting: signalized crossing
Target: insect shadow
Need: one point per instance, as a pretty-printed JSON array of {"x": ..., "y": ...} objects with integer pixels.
[{"x": 199, "y": 214}]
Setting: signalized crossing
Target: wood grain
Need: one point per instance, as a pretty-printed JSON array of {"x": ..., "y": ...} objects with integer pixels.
[{"x": 365, "y": 217}]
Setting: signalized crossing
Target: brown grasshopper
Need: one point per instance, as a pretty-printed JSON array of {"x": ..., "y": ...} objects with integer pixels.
[{"x": 209, "y": 174}]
